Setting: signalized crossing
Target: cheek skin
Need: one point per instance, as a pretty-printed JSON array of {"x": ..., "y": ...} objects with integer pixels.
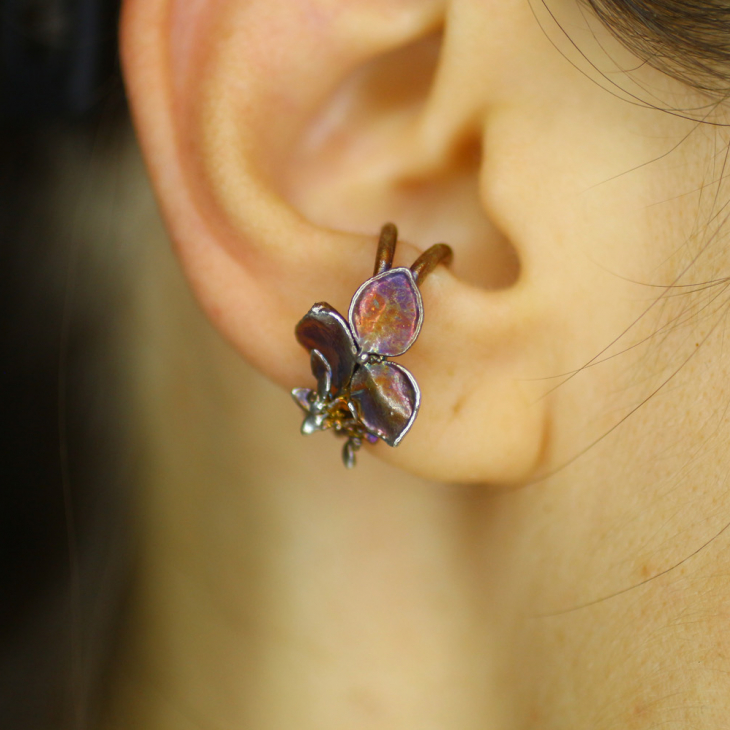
[{"x": 599, "y": 197}]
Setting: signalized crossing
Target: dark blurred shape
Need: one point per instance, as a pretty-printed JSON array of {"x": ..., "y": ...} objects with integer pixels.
[
  {"x": 66, "y": 470},
  {"x": 55, "y": 56}
]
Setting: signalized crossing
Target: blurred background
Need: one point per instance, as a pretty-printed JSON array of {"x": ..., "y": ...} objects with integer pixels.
[{"x": 67, "y": 457}]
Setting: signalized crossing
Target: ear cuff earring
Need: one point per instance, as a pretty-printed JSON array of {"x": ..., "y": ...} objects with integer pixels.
[{"x": 360, "y": 394}]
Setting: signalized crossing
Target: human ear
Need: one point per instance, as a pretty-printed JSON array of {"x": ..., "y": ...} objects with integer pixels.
[{"x": 279, "y": 136}]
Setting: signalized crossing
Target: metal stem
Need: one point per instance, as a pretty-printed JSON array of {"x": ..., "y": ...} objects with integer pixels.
[
  {"x": 439, "y": 253},
  {"x": 386, "y": 248}
]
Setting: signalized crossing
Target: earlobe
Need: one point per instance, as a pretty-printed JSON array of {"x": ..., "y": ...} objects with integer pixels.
[{"x": 225, "y": 95}]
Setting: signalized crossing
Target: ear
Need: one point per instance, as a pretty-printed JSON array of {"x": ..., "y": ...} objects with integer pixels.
[{"x": 279, "y": 137}]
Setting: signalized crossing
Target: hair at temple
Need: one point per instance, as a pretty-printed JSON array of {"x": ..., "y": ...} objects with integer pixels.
[{"x": 687, "y": 39}]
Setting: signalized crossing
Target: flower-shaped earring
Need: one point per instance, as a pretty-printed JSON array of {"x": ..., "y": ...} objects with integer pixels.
[{"x": 361, "y": 394}]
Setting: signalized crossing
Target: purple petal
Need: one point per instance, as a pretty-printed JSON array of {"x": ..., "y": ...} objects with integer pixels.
[
  {"x": 324, "y": 329},
  {"x": 386, "y": 313},
  {"x": 386, "y": 398}
]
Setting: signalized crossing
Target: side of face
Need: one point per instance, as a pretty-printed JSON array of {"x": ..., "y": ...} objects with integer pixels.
[{"x": 280, "y": 135}]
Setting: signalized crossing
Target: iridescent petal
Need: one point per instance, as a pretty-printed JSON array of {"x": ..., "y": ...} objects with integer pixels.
[
  {"x": 324, "y": 329},
  {"x": 386, "y": 313},
  {"x": 386, "y": 398}
]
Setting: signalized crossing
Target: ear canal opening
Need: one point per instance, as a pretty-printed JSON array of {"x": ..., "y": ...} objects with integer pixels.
[{"x": 445, "y": 206}]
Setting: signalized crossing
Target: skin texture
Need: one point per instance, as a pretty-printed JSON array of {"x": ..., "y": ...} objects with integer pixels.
[{"x": 540, "y": 551}]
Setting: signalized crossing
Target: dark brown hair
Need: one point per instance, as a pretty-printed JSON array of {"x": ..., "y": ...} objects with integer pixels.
[{"x": 687, "y": 39}]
